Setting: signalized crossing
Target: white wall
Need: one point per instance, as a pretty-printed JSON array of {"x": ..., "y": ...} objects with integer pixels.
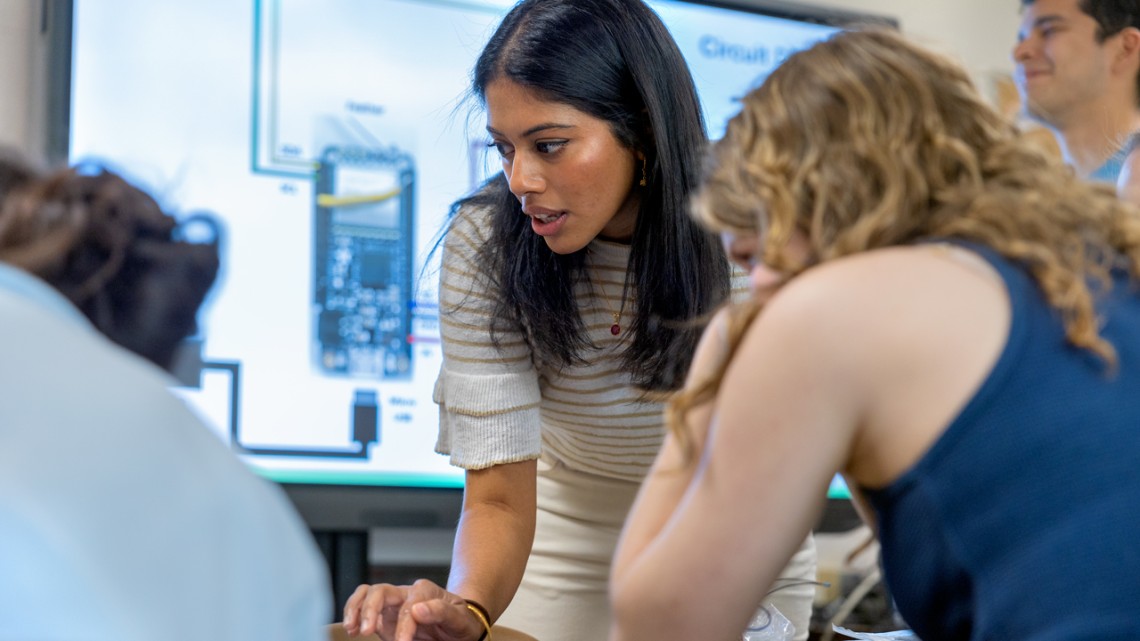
[
  {"x": 980, "y": 33},
  {"x": 16, "y": 28}
]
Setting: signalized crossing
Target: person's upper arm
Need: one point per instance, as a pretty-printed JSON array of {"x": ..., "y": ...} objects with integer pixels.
[
  {"x": 488, "y": 394},
  {"x": 672, "y": 470},
  {"x": 783, "y": 421},
  {"x": 708, "y": 359}
]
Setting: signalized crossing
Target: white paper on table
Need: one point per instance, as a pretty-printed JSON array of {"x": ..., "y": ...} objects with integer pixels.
[{"x": 898, "y": 635}]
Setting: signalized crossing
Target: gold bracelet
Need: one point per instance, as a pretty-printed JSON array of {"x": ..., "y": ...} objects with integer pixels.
[{"x": 480, "y": 613}]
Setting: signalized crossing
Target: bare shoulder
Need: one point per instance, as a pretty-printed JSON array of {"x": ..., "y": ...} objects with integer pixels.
[
  {"x": 889, "y": 343},
  {"x": 895, "y": 295}
]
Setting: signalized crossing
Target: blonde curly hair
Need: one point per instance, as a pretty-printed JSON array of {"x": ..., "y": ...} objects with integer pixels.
[{"x": 867, "y": 140}]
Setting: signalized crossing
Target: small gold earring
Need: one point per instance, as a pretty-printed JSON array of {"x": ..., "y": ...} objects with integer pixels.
[{"x": 644, "y": 178}]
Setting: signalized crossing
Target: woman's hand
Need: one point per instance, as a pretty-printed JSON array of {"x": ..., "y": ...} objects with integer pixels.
[{"x": 419, "y": 612}]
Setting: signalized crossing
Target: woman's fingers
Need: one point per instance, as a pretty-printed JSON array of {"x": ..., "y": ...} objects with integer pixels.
[
  {"x": 373, "y": 609},
  {"x": 419, "y": 593},
  {"x": 422, "y": 611},
  {"x": 450, "y": 618},
  {"x": 351, "y": 617}
]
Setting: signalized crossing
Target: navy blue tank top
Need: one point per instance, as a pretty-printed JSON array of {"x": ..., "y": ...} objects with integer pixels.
[{"x": 1022, "y": 521}]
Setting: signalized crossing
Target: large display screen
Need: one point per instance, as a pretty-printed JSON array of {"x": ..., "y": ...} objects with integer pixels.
[{"x": 330, "y": 137}]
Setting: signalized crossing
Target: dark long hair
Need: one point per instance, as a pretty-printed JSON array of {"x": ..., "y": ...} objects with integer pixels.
[
  {"x": 16, "y": 171},
  {"x": 614, "y": 60},
  {"x": 109, "y": 249}
]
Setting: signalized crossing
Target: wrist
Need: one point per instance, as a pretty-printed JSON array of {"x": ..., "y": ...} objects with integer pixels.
[{"x": 480, "y": 613}]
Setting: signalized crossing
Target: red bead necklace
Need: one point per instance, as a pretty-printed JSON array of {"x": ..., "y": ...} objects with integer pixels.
[{"x": 615, "y": 329}]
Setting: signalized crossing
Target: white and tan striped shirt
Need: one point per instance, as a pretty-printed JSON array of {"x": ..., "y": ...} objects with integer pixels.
[{"x": 497, "y": 405}]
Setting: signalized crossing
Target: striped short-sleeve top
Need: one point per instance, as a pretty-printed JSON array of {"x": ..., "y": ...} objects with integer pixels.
[{"x": 498, "y": 405}]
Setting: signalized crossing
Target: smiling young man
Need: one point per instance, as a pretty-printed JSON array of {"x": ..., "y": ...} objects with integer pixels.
[{"x": 1078, "y": 73}]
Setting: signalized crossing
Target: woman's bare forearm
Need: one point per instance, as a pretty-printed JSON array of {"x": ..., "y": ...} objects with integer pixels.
[
  {"x": 672, "y": 471},
  {"x": 495, "y": 534}
]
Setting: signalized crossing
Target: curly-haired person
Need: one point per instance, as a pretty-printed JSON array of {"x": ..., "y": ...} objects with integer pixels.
[{"x": 955, "y": 328}]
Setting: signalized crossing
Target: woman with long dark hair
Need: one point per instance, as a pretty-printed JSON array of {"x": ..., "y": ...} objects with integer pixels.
[{"x": 570, "y": 293}]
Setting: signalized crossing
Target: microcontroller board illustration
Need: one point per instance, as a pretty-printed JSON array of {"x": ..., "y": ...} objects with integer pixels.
[{"x": 363, "y": 255}]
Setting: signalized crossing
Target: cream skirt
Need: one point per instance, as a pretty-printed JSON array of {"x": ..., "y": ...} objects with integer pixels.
[{"x": 563, "y": 593}]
